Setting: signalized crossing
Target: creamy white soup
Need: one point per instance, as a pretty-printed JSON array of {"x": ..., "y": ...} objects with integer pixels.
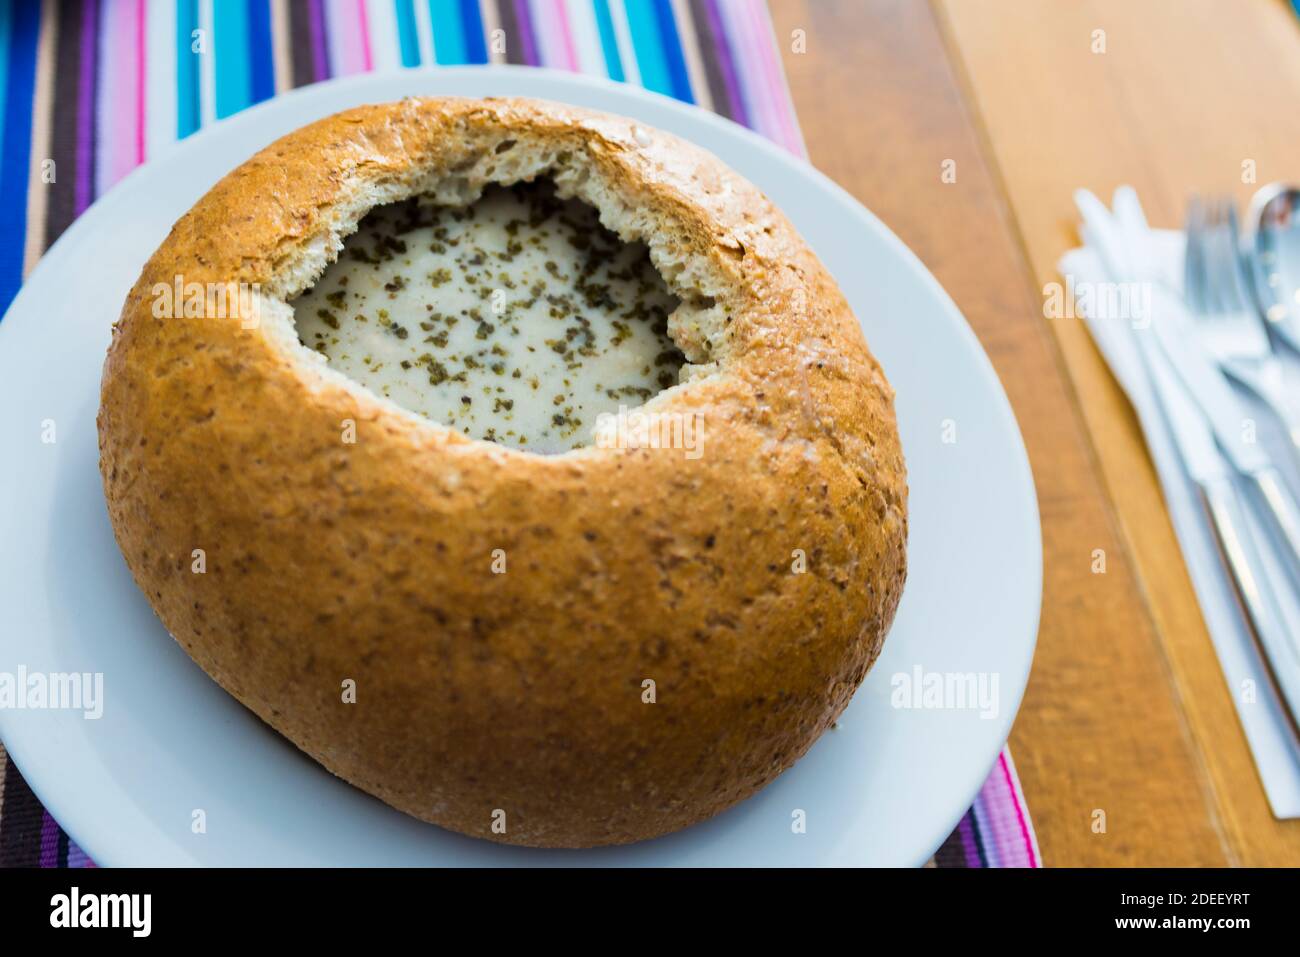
[{"x": 519, "y": 319}]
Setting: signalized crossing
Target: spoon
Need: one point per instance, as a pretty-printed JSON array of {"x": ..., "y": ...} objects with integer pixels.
[{"x": 1273, "y": 255}]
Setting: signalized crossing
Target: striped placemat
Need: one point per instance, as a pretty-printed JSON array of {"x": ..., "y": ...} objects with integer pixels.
[{"x": 91, "y": 89}]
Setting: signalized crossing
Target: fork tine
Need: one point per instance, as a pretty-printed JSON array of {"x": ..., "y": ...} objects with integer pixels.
[
  {"x": 1209, "y": 302},
  {"x": 1217, "y": 289},
  {"x": 1194, "y": 257},
  {"x": 1240, "y": 292},
  {"x": 1231, "y": 298},
  {"x": 1230, "y": 327},
  {"x": 1220, "y": 266}
]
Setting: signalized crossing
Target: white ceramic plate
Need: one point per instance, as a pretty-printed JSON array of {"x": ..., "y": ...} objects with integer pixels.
[{"x": 885, "y": 788}]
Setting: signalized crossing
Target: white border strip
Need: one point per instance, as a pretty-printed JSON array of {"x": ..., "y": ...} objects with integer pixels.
[
  {"x": 207, "y": 67},
  {"x": 381, "y": 25},
  {"x": 623, "y": 33}
]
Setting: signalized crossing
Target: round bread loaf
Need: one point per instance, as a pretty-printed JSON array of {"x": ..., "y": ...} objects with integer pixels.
[{"x": 563, "y": 650}]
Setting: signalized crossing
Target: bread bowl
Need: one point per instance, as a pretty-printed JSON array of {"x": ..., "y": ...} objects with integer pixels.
[{"x": 550, "y": 646}]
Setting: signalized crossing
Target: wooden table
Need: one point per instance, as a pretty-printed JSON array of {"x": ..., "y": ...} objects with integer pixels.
[{"x": 1127, "y": 711}]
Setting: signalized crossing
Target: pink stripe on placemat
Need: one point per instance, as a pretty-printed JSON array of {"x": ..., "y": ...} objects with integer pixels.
[
  {"x": 141, "y": 77},
  {"x": 120, "y": 103},
  {"x": 363, "y": 34},
  {"x": 771, "y": 74},
  {"x": 1018, "y": 802},
  {"x": 347, "y": 18},
  {"x": 1006, "y": 835},
  {"x": 556, "y": 38}
]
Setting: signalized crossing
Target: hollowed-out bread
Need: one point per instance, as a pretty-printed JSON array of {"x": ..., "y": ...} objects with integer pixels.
[{"x": 670, "y": 632}]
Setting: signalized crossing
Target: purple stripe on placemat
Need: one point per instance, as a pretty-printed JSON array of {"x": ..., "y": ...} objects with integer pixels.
[
  {"x": 527, "y": 38},
  {"x": 77, "y": 857},
  {"x": 316, "y": 30},
  {"x": 85, "y": 184},
  {"x": 727, "y": 66},
  {"x": 49, "y": 841},
  {"x": 1005, "y": 834},
  {"x": 970, "y": 843}
]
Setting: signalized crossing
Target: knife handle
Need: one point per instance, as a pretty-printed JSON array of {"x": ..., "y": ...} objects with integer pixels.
[
  {"x": 1284, "y": 512},
  {"x": 1247, "y": 575}
]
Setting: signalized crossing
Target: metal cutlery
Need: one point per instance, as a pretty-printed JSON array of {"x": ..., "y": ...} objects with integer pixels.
[
  {"x": 1230, "y": 329},
  {"x": 1222, "y": 408},
  {"x": 1219, "y": 494},
  {"x": 1120, "y": 241},
  {"x": 1273, "y": 253}
]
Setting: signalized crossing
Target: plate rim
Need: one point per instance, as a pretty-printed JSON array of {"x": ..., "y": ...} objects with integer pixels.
[{"x": 67, "y": 814}]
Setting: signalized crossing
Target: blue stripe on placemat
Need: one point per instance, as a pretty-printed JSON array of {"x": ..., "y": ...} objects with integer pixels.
[
  {"x": 671, "y": 44},
  {"x": 448, "y": 32},
  {"x": 608, "y": 41},
  {"x": 6, "y": 32},
  {"x": 187, "y": 69},
  {"x": 644, "y": 27},
  {"x": 407, "y": 39},
  {"x": 230, "y": 44},
  {"x": 23, "y": 21},
  {"x": 472, "y": 19},
  {"x": 261, "y": 56}
]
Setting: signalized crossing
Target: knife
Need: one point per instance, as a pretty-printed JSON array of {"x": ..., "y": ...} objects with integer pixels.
[
  {"x": 1209, "y": 469},
  {"x": 1220, "y": 405}
]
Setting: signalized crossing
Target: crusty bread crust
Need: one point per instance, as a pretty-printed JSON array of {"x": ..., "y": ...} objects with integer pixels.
[{"x": 523, "y": 692}]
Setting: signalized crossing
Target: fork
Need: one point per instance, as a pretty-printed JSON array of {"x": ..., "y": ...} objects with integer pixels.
[{"x": 1228, "y": 327}]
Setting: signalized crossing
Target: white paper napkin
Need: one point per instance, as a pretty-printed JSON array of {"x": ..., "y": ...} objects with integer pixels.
[{"x": 1272, "y": 742}]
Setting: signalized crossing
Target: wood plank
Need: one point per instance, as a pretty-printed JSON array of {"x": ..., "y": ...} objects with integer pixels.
[
  {"x": 1100, "y": 728},
  {"x": 1186, "y": 92}
]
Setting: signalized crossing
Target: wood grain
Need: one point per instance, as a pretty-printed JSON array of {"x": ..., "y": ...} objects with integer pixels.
[
  {"x": 1102, "y": 727},
  {"x": 1186, "y": 97}
]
